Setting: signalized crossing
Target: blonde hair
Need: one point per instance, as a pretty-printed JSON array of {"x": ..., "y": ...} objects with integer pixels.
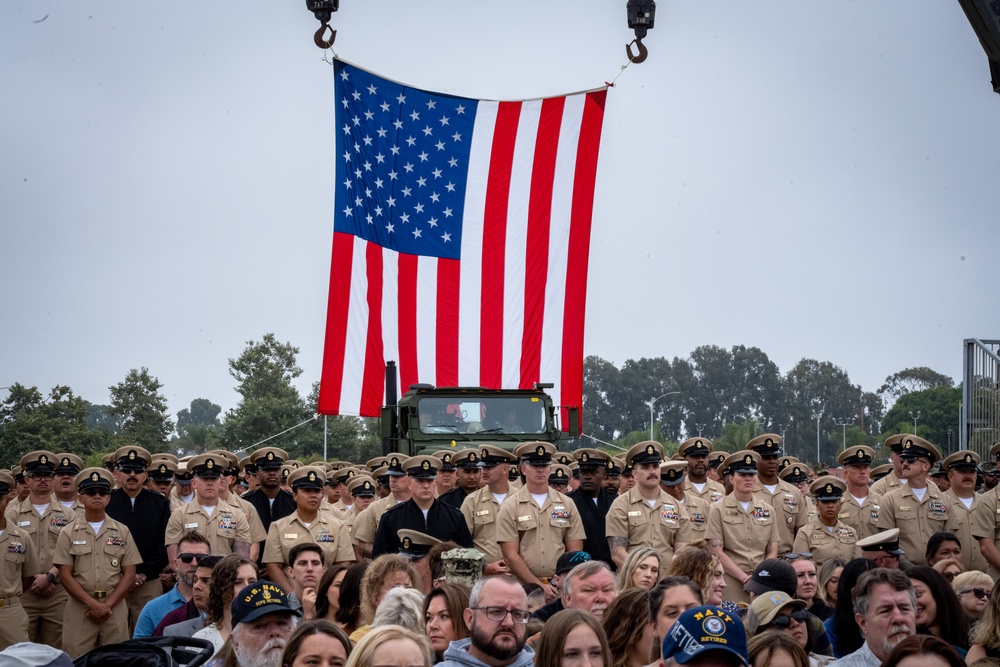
[
  {"x": 375, "y": 576},
  {"x": 696, "y": 562},
  {"x": 363, "y": 653},
  {"x": 971, "y": 579},
  {"x": 632, "y": 561}
]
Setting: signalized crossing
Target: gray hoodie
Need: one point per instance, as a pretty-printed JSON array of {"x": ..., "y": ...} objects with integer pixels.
[{"x": 457, "y": 655}]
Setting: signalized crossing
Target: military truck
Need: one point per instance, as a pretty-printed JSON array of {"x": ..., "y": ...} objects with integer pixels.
[{"x": 429, "y": 418}]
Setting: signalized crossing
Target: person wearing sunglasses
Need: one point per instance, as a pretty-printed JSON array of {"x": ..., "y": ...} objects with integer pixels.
[
  {"x": 96, "y": 556},
  {"x": 918, "y": 509},
  {"x": 973, "y": 590},
  {"x": 44, "y": 599},
  {"x": 192, "y": 545},
  {"x": 779, "y": 612},
  {"x": 985, "y": 636}
]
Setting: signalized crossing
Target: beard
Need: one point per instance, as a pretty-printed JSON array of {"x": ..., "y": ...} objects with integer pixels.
[
  {"x": 894, "y": 636},
  {"x": 269, "y": 654},
  {"x": 489, "y": 645}
]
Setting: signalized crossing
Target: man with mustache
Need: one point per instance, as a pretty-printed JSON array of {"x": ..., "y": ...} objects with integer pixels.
[
  {"x": 263, "y": 620},
  {"x": 496, "y": 618},
  {"x": 145, "y": 513},
  {"x": 589, "y": 587},
  {"x": 885, "y": 610}
]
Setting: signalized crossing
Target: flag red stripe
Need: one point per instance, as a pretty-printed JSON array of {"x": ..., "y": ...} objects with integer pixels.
[
  {"x": 537, "y": 250},
  {"x": 571, "y": 382},
  {"x": 336, "y": 324},
  {"x": 409, "y": 369},
  {"x": 494, "y": 241},
  {"x": 449, "y": 277},
  {"x": 373, "y": 386}
]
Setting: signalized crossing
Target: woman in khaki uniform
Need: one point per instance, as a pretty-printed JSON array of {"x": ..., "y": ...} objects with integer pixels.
[
  {"x": 742, "y": 530},
  {"x": 826, "y": 536},
  {"x": 96, "y": 557},
  {"x": 18, "y": 568}
]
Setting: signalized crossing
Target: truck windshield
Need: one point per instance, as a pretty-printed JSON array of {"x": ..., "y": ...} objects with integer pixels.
[{"x": 464, "y": 414}]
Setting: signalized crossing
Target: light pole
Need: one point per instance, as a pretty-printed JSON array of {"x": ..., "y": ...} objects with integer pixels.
[
  {"x": 949, "y": 440},
  {"x": 915, "y": 418},
  {"x": 844, "y": 425},
  {"x": 699, "y": 428},
  {"x": 817, "y": 416},
  {"x": 652, "y": 402}
]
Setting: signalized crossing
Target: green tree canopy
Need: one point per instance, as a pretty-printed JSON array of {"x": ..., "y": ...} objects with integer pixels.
[
  {"x": 141, "y": 410},
  {"x": 939, "y": 408}
]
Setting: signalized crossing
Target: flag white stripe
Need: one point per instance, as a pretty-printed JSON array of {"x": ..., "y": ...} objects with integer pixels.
[
  {"x": 357, "y": 329},
  {"x": 427, "y": 273}
]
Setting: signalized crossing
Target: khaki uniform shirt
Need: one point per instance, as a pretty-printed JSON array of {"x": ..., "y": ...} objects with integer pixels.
[
  {"x": 744, "y": 534},
  {"x": 257, "y": 532},
  {"x": 661, "y": 526},
  {"x": 790, "y": 509},
  {"x": 227, "y": 526},
  {"x": 840, "y": 541},
  {"x": 697, "y": 511},
  {"x": 862, "y": 518},
  {"x": 916, "y": 521},
  {"x": 972, "y": 555},
  {"x": 366, "y": 524},
  {"x": 20, "y": 561},
  {"x": 986, "y": 522},
  {"x": 888, "y": 483},
  {"x": 542, "y": 533},
  {"x": 97, "y": 560},
  {"x": 480, "y": 510},
  {"x": 326, "y": 530},
  {"x": 711, "y": 492},
  {"x": 44, "y": 530}
]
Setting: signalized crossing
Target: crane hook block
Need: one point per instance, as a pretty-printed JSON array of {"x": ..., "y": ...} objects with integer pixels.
[
  {"x": 323, "y": 10},
  {"x": 641, "y": 14}
]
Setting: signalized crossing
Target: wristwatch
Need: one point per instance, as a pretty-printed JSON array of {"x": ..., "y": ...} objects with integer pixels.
[{"x": 53, "y": 579}]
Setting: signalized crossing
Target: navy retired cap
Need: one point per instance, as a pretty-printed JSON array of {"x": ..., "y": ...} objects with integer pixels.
[
  {"x": 258, "y": 599},
  {"x": 702, "y": 629}
]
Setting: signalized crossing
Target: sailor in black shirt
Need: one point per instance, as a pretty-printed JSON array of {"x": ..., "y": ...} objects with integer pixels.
[
  {"x": 469, "y": 477},
  {"x": 270, "y": 500},
  {"x": 593, "y": 500},
  {"x": 422, "y": 512}
]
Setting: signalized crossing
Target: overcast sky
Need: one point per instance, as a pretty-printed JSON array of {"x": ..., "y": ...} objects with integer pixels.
[{"x": 817, "y": 179}]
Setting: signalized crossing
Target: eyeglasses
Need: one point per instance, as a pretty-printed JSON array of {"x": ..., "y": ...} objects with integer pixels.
[
  {"x": 500, "y": 613},
  {"x": 95, "y": 492},
  {"x": 980, "y": 593},
  {"x": 806, "y": 555},
  {"x": 40, "y": 475},
  {"x": 784, "y": 621},
  {"x": 187, "y": 558}
]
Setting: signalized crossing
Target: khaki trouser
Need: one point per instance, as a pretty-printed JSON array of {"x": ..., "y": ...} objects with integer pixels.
[
  {"x": 734, "y": 591},
  {"x": 45, "y": 616},
  {"x": 81, "y": 634},
  {"x": 13, "y": 623},
  {"x": 137, "y": 599}
]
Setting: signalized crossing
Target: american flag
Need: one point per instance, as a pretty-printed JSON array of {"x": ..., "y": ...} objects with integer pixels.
[{"x": 461, "y": 241}]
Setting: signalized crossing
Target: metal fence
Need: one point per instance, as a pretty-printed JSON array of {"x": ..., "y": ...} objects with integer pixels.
[{"x": 981, "y": 395}]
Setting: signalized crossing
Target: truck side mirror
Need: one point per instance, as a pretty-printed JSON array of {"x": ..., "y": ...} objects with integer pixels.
[{"x": 573, "y": 420}]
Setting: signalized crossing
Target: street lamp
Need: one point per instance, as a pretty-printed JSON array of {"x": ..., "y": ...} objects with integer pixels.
[
  {"x": 650, "y": 403},
  {"x": 817, "y": 416},
  {"x": 699, "y": 428},
  {"x": 915, "y": 418},
  {"x": 844, "y": 425}
]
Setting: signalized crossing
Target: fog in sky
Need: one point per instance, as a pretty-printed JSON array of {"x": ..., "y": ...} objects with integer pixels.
[{"x": 817, "y": 179}]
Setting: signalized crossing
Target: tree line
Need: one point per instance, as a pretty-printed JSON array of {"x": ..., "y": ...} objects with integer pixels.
[{"x": 728, "y": 396}]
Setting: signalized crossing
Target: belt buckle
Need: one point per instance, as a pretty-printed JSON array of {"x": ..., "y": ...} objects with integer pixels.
[
  {"x": 100, "y": 595},
  {"x": 3, "y": 602}
]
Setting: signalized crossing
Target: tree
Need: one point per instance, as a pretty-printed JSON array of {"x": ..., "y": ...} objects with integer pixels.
[
  {"x": 202, "y": 411},
  {"x": 141, "y": 410},
  {"x": 939, "y": 409},
  {"x": 99, "y": 416},
  {"x": 913, "y": 379},
  {"x": 348, "y": 438},
  {"x": 818, "y": 388},
  {"x": 270, "y": 403},
  {"x": 58, "y": 423}
]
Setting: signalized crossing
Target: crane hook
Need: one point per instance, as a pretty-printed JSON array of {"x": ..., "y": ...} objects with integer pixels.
[
  {"x": 643, "y": 51},
  {"x": 320, "y": 39}
]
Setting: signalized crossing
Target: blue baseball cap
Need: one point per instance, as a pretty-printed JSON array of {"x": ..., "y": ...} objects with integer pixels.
[{"x": 702, "y": 629}]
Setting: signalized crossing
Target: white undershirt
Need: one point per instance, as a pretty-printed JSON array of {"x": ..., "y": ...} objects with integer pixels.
[
  {"x": 919, "y": 493},
  {"x": 700, "y": 488},
  {"x": 540, "y": 498},
  {"x": 499, "y": 497},
  {"x": 41, "y": 509},
  {"x": 97, "y": 527},
  {"x": 771, "y": 488},
  {"x": 69, "y": 505},
  {"x": 209, "y": 510},
  {"x": 745, "y": 506},
  {"x": 652, "y": 503},
  {"x": 860, "y": 501},
  {"x": 425, "y": 515},
  {"x": 967, "y": 502}
]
